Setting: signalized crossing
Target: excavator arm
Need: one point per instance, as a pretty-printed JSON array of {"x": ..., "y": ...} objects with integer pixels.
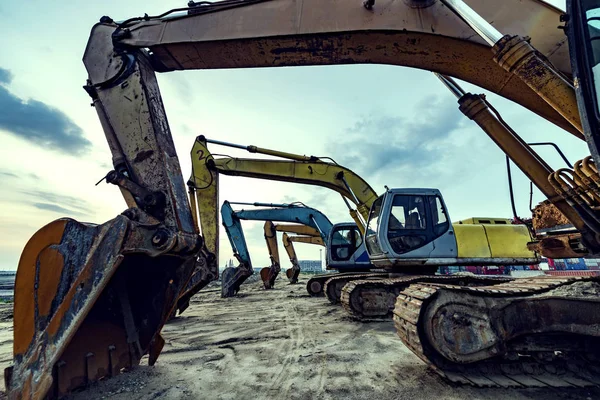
[
  {"x": 270, "y": 235},
  {"x": 203, "y": 190},
  {"x": 271, "y": 238},
  {"x": 233, "y": 278},
  {"x": 288, "y": 244}
]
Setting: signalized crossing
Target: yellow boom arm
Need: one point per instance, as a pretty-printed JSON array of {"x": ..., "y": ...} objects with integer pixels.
[
  {"x": 297, "y": 168},
  {"x": 306, "y": 239},
  {"x": 270, "y": 229}
]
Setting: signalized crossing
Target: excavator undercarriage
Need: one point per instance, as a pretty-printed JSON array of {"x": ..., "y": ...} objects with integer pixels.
[{"x": 530, "y": 332}]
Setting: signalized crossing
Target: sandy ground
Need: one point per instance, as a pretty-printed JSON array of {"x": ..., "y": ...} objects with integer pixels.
[{"x": 281, "y": 344}]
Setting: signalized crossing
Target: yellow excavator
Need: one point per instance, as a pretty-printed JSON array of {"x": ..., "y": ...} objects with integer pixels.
[
  {"x": 288, "y": 244},
  {"x": 304, "y": 234},
  {"x": 91, "y": 300},
  {"x": 493, "y": 245},
  {"x": 289, "y": 167}
]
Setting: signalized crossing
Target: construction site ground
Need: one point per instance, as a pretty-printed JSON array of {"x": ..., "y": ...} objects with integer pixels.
[{"x": 281, "y": 344}]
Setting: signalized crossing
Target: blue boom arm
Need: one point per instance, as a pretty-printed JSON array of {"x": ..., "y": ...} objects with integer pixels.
[{"x": 234, "y": 277}]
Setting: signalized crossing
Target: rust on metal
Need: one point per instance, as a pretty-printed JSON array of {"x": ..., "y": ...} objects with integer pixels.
[
  {"x": 478, "y": 336},
  {"x": 516, "y": 55},
  {"x": 546, "y": 215},
  {"x": 433, "y": 39},
  {"x": 559, "y": 246},
  {"x": 88, "y": 327}
]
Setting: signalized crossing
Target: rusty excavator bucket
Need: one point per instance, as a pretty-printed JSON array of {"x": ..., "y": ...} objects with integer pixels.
[
  {"x": 269, "y": 274},
  {"x": 292, "y": 274},
  {"x": 232, "y": 278},
  {"x": 90, "y": 301}
]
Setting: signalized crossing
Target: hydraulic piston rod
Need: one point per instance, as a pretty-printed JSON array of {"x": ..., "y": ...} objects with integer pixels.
[
  {"x": 483, "y": 28},
  {"x": 476, "y": 108},
  {"x": 260, "y": 150},
  {"x": 516, "y": 55}
]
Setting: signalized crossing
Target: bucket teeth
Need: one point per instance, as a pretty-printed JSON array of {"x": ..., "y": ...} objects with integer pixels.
[{"x": 90, "y": 301}]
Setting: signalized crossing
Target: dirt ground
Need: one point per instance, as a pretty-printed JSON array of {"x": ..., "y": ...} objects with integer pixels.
[{"x": 281, "y": 344}]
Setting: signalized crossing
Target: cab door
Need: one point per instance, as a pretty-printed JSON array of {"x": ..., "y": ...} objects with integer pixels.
[
  {"x": 346, "y": 248},
  {"x": 418, "y": 226}
]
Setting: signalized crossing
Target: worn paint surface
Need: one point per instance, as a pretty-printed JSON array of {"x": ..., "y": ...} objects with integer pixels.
[
  {"x": 494, "y": 335},
  {"x": 69, "y": 298}
]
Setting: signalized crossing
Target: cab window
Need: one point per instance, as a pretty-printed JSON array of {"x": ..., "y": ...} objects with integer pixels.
[
  {"x": 372, "y": 225},
  {"x": 408, "y": 212},
  {"x": 438, "y": 215},
  {"x": 407, "y": 223},
  {"x": 344, "y": 243}
]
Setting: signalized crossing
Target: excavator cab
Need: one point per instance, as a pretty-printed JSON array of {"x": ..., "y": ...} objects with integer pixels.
[
  {"x": 412, "y": 227},
  {"x": 346, "y": 248},
  {"x": 583, "y": 23},
  {"x": 410, "y": 224}
]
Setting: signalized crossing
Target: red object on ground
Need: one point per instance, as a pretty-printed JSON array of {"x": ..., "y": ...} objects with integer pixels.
[{"x": 581, "y": 272}]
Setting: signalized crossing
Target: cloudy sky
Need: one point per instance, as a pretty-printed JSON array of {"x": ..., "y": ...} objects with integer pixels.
[{"x": 53, "y": 149}]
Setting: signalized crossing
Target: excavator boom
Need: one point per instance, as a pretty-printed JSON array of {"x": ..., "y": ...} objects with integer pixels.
[
  {"x": 298, "y": 229},
  {"x": 306, "y": 239},
  {"x": 414, "y": 33}
]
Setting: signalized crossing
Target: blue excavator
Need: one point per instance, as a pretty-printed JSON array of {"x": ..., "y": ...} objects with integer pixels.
[{"x": 344, "y": 252}]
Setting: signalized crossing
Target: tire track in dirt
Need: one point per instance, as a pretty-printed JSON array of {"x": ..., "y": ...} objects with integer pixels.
[
  {"x": 281, "y": 383},
  {"x": 282, "y": 344}
]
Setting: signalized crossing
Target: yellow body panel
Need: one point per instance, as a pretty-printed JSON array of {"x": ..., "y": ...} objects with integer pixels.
[
  {"x": 471, "y": 241},
  {"x": 509, "y": 241},
  {"x": 492, "y": 240}
]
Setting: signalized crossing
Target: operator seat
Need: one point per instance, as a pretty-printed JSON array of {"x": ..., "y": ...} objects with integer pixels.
[{"x": 413, "y": 221}]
